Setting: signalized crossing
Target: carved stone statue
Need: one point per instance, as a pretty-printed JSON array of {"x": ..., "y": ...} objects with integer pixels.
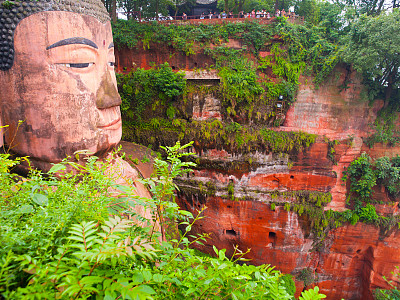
[{"x": 57, "y": 77}]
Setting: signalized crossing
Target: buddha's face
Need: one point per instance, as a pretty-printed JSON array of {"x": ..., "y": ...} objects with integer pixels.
[{"x": 62, "y": 86}]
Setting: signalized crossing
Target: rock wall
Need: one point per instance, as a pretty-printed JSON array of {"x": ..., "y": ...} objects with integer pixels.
[
  {"x": 245, "y": 192},
  {"x": 352, "y": 264}
]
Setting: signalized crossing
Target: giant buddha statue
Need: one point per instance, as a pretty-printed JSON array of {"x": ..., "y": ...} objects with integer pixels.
[{"x": 58, "y": 87}]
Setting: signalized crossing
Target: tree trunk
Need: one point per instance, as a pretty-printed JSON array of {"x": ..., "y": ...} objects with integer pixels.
[
  {"x": 226, "y": 5},
  {"x": 371, "y": 10},
  {"x": 157, "y": 3},
  {"x": 380, "y": 7},
  {"x": 240, "y": 7},
  {"x": 176, "y": 10},
  {"x": 113, "y": 12}
]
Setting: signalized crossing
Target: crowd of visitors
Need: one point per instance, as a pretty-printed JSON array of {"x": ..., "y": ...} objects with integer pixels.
[{"x": 253, "y": 14}]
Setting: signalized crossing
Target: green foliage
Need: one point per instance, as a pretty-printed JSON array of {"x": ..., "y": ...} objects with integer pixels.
[
  {"x": 309, "y": 9},
  {"x": 385, "y": 130},
  {"x": 238, "y": 75},
  {"x": 304, "y": 46},
  {"x": 372, "y": 47},
  {"x": 310, "y": 45},
  {"x": 388, "y": 173},
  {"x": 390, "y": 294},
  {"x": 285, "y": 142},
  {"x": 66, "y": 246},
  {"x": 312, "y": 294},
  {"x": 362, "y": 177},
  {"x": 331, "y": 149},
  {"x": 307, "y": 276},
  {"x": 288, "y": 282},
  {"x": 380, "y": 294},
  {"x": 130, "y": 33},
  {"x": 231, "y": 190},
  {"x": 213, "y": 134},
  {"x": 140, "y": 87},
  {"x": 47, "y": 200},
  {"x": 162, "y": 185},
  {"x": 282, "y": 67},
  {"x": 367, "y": 213}
]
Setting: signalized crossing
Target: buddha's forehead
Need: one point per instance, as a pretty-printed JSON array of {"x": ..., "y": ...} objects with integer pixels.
[
  {"x": 13, "y": 12},
  {"x": 38, "y": 31}
]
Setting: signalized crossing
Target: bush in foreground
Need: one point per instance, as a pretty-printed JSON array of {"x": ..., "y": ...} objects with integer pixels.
[{"x": 59, "y": 241}]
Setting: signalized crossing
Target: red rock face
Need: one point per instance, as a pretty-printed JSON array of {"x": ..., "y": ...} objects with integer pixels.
[
  {"x": 159, "y": 54},
  {"x": 331, "y": 112},
  {"x": 353, "y": 258},
  {"x": 353, "y": 263},
  {"x": 238, "y": 189}
]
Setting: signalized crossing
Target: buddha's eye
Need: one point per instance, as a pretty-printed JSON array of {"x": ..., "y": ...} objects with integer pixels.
[
  {"x": 111, "y": 64},
  {"x": 78, "y": 66}
]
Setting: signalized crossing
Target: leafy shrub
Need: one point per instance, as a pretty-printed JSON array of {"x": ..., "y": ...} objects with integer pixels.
[
  {"x": 388, "y": 173},
  {"x": 141, "y": 87},
  {"x": 307, "y": 276},
  {"x": 367, "y": 214},
  {"x": 288, "y": 282},
  {"x": 312, "y": 294},
  {"x": 362, "y": 177},
  {"x": 238, "y": 74},
  {"x": 58, "y": 241}
]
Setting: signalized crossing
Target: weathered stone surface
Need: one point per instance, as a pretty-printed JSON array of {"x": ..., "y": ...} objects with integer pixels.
[
  {"x": 238, "y": 189},
  {"x": 330, "y": 111},
  {"x": 140, "y": 57},
  {"x": 64, "y": 109},
  {"x": 206, "y": 107},
  {"x": 354, "y": 259},
  {"x": 353, "y": 262}
]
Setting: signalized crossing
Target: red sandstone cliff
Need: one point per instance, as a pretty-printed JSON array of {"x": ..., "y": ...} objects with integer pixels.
[{"x": 352, "y": 259}]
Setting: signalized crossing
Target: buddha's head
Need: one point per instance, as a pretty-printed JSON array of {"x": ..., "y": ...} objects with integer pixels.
[{"x": 57, "y": 76}]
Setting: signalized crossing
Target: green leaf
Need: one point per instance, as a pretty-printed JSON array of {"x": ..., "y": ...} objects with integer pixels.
[
  {"x": 40, "y": 199},
  {"x": 25, "y": 209},
  {"x": 158, "y": 278},
  {"x": 55, "y": 168},
  {"x": 145, "y": 289},
  {"x": 147, "y": 275},
  {"x": 137, "y": 278}
]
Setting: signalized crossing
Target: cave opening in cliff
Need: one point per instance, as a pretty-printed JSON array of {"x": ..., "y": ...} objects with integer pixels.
[
  {"x": 230, "y": 232},
  {"x": 272, "y": 238}
]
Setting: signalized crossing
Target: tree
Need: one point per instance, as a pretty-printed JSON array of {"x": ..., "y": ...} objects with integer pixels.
[
  {"x": 111, "y": 6},
  {"x": 309, "y": 9},
  {"x": 373, "y": 46},
  {"x": 130, "y": 6},
  {"x": 369, "y": 7}
]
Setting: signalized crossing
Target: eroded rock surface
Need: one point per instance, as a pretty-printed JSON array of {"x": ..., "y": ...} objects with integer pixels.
[{"x": 255, "y": 198}]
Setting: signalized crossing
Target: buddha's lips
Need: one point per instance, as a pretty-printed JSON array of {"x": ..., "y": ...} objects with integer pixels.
[{"x": 110, "y": 124}]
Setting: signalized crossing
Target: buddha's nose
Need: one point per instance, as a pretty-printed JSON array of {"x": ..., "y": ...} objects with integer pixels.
[{"x": 107, "y": 95}]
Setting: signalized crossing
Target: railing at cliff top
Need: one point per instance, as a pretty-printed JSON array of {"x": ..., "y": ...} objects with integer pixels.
[{"x": 234, "y": 18}]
